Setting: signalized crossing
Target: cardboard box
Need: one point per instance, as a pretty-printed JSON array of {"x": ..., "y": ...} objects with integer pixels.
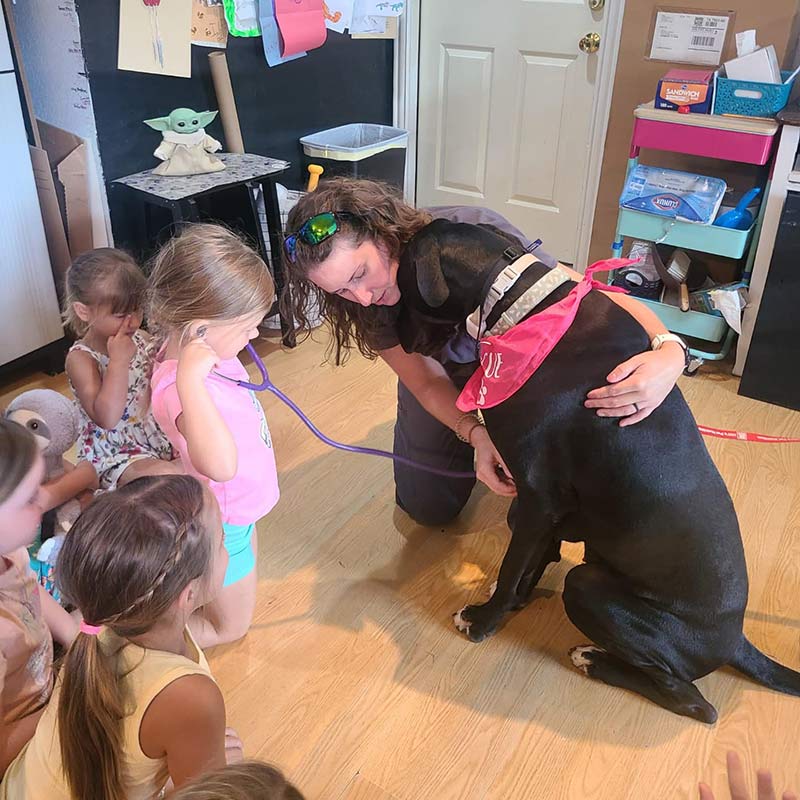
[
  {"x": 68, "y": 157},
  {"x": 54, "y": 233},
  {"x": 686, "y": 89}
]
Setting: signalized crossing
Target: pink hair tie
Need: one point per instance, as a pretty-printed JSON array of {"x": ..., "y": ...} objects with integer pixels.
[{"x": 89, "y": 630}]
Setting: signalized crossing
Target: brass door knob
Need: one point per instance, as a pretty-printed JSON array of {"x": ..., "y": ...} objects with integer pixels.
[
  {"x": 596, "y": 5},
  {"x": 590, "y": 43}
]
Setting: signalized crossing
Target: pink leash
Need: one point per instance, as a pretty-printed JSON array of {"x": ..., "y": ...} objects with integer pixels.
[{"x": 743, "y": 436}]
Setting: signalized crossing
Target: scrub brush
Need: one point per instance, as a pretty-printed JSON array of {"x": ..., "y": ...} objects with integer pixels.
[{"x": 678, "y": 269}]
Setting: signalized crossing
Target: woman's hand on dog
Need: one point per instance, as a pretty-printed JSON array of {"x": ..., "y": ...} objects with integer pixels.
[
  {"x": 489, "y": 466},
  {"x": 737, "y": 783},
  {"x": 639, "y": 385}
]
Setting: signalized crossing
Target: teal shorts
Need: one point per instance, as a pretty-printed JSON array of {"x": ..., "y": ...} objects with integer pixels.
[{"x": 241, "y": 561}]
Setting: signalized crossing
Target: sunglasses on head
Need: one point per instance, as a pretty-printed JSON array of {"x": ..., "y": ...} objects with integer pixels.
[{"x": 314, "y": 230}]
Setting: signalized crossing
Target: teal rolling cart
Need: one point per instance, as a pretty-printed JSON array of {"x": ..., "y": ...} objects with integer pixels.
[{"x": 742, "y": 139}]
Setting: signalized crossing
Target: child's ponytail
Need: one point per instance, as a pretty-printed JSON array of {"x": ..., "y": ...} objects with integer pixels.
[
  {"x": 90, "y": 713},
  {"x": 124, "y": 564}
]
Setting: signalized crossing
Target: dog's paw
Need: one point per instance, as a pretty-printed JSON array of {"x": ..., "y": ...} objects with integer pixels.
[
  {"x": 491, "y": 590},
  {"x": 477, "y": 622},
  {"x": 461, "y": 622},
  {"x": 581, "y": 656}
]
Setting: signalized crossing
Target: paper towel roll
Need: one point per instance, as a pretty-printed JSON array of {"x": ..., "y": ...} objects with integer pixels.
[{"x": 226, "y": 102}]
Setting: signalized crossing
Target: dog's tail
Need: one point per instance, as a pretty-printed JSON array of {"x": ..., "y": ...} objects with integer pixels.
[{"x": 750, "y": 661}]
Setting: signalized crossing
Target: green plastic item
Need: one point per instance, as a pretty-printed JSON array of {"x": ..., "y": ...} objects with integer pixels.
[{"x": 230, "y": 18}]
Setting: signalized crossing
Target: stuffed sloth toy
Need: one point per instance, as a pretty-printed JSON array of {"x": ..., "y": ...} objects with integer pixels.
[{"x": 54, "y": 421}]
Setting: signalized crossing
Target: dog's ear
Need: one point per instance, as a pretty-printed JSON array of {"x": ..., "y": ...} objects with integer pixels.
[{"x": 430, "y": 280}]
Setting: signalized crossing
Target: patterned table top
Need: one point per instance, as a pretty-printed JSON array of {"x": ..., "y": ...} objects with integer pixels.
[{"x": 240, "y": 167}]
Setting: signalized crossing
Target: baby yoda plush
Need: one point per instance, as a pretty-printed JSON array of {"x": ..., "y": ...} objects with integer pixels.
[{"x": 186, "y": 148}]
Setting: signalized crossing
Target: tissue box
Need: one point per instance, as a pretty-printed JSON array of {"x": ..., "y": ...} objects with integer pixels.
[
  {"x": 685, "y": 89},
  {"x": 760, "y": 66}
]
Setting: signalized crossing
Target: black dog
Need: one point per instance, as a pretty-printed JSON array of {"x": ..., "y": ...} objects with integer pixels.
[{"x": 663, "y": 589}]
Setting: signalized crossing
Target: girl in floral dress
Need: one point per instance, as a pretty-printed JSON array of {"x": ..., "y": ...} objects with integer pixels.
[{"x": 109, "y": 369}]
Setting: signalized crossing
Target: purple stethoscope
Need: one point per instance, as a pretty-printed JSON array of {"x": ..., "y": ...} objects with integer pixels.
[{"x": 267, "y": 385}]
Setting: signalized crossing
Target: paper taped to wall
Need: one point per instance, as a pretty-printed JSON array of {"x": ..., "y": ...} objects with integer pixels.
[
  {"x": 368, "y": 24},
  {"x": 302, "y": 25},
  {"x": 689, "y": 38},
  {"x": 271, "y": 36},
  {"x": 209, "y": 28},
  {"x": 338, "y": 14},
  {"x": 156, "y": 37},
  {"x": 379, "y": 8},
  {"x": 242, "y": 17}
]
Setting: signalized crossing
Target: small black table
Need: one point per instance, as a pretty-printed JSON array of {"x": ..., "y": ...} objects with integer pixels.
[{"x": 180, "y": 194}]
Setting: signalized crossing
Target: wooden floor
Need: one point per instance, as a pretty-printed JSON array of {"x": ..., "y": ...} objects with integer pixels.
[{"x": 354, "y": 680}]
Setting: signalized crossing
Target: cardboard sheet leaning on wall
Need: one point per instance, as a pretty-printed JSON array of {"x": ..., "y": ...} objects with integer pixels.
[
  {"x": 54, "y": 231},
  {"x": 68, "y": 157}
]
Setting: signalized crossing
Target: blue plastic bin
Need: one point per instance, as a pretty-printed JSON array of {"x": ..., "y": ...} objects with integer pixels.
[{"x": 750, "y": 98}]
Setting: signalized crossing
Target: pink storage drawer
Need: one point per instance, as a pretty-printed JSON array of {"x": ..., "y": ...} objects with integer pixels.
[{"x": 749, "y": 148}]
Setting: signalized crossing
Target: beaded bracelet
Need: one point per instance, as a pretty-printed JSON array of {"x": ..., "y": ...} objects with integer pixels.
[{"x": 476, "y": 422}]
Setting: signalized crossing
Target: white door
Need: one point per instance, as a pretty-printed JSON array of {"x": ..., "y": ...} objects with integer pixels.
[
  {"x": 505, "y": 106},
  {"x": 29, "y": 315}
]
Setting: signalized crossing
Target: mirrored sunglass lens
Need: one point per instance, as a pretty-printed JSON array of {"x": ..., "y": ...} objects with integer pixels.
[
  {"x": 319, "y": 228},
  {"x": 290, "y": 244}
]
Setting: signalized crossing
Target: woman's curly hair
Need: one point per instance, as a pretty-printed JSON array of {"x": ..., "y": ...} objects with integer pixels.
[{"x": 375, "y": 211}]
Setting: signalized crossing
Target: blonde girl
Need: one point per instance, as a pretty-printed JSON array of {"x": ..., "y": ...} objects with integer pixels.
[
  {"x": 135, "y": 704},
  {"x": 208, "y": 293},
  {"x": 247, "y": 780},
  {"x": 109, "y": 369}
]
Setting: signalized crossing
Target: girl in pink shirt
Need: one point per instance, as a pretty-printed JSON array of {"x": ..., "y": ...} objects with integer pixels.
[{"x": 208, "y": 293}]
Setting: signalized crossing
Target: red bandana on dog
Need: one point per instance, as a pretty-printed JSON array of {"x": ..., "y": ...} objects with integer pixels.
[{"x": 508, "y": 360}]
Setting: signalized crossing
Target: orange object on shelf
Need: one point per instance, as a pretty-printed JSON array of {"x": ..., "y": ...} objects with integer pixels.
[{"x": 314, "y": 171}]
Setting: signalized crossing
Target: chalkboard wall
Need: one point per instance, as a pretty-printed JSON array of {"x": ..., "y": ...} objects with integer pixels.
[{"x": 343, "y": 81}]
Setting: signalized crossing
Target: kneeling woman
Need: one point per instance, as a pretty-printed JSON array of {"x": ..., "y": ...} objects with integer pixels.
[{"x": 348, "y": 263}]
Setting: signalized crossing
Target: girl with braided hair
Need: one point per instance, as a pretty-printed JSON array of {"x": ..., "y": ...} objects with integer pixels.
[{"x": 135, "y": 704}]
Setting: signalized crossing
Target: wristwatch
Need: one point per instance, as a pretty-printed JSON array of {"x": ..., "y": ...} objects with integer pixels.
[{"x": 659, "y": 340}]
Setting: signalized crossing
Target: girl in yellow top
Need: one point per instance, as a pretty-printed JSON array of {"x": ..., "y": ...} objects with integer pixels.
[{"x": 135, "y": 704}]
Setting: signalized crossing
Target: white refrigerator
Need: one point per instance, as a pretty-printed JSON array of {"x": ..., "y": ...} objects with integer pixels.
[{"x": 29, "y": 313}]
